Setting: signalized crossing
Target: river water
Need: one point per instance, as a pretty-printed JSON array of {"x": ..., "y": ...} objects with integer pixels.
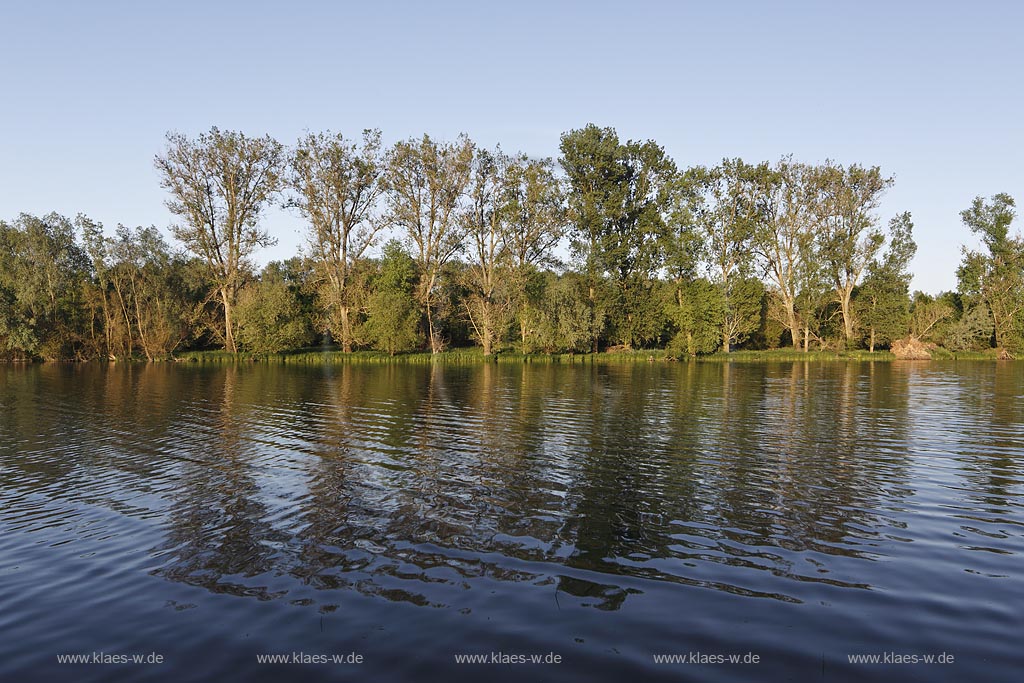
[{"x": 600, "y": 518}]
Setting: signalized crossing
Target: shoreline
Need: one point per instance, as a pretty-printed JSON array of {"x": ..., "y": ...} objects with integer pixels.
[{"x": 473, "y": 356}]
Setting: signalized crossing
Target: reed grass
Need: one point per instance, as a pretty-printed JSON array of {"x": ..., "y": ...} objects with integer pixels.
[{"x": 471, "y": 356}]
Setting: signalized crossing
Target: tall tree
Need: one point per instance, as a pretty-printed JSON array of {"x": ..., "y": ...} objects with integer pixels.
[
  {"x": 533, "y": 216},
  {"x": 427, "y": 182},
  {"x": 620, "y": 195},
  {"x": 727, "y": 211},
  {"x": 784, "y": 239},
  {"x": 692, "y": 300},
  {"x": 483, "y": 222},
  {"x": 812, "y": 289},
  {"x": 843, "y": 202},
  {"x": 96, "y": 246},
  {"x": 883, "y": 300},
  {"x": 337, "y": 184},
  {"x": 996, "y": 278},
  {"x": 220, "y": 182}
]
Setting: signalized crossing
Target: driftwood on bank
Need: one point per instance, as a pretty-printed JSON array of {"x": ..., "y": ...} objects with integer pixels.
[{"x": 912, "y": 348}]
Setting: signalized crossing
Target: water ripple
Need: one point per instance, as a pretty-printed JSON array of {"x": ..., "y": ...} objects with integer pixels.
[{"x": 547, "y": 507}]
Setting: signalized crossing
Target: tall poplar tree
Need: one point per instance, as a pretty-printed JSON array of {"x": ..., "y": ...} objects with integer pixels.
[
  {"x": 337, "y": 184},
  {"x": 533, "y": 216},
  {"x": 727, "y": 211},
  {"x": 620, "y": 195},
  {"x": 427, "y": 182},
  {"x": 843, "y": 201},
  {"x": 220, "y": 182}
]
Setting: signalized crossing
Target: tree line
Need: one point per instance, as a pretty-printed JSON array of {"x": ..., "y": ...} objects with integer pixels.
[{"x": 427, "y": 244}]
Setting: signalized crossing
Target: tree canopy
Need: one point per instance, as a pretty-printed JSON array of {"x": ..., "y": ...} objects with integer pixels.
[{"x": 429, "y": 243}]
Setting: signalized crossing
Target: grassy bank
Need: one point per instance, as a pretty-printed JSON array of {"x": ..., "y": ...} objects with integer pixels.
[
  {"x": 452, "y": 356},
  {"x": 772, "y": 355},
  {"x": 475, "y": 355}
]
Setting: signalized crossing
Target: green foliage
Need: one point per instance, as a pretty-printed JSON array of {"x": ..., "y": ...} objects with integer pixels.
[
  {"x": 882, "y": 303},
  {"x": 619, "y": 200},
  {"x": 147, "y": 302},
  {"x": 269, "y": 311},
  {"x": 842, "y": 201},
  {"x": 219, "y": 184},
  {"x": 636, "y": 317},
  {"x": 16, "y": 331},
  {"x": 43, "y": 275},
  {"x": 996, "y": 279},
  {"x": 393, "y": 314},
  {"x": 393, "y": 322},
  {"x": 735, "y": 256},
  {"x": 972, "y": 332},
  {"x": 882, "y": 307},
  {"x": 695, "y": 310},
  {"x": 565, "y": 320},
  {"x": 931, "y": 317}
]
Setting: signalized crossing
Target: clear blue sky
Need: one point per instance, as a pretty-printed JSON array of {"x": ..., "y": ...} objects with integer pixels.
[{"x": 930, "y": 91}]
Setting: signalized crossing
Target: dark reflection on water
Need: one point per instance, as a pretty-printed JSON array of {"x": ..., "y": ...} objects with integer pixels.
[{"x": 801, "y": 512}]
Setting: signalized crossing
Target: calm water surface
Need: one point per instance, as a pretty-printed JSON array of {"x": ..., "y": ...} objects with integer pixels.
[{"x": 607, "y": 514}]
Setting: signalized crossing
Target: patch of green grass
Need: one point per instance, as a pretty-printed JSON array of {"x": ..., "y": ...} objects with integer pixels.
[
  {"x": 792, "y": 355},
  {"x": 988, "y": 354},
  {"x": 219, "y": 356},
  {"x": 474, "y": 355}
]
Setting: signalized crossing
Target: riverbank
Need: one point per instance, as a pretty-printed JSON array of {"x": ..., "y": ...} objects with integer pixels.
[{"x": 475, "y": 355}]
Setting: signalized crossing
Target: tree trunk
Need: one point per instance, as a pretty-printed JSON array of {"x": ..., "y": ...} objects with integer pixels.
[
  {"x": 138, "y": 323},
  {"x": 346, "y": 329},
  {"x": 229, "y": 334},
  {"x": 844, "y": 304},
  {"x": 142, "y": 334},
  {"x": 996, "y": 324},
  {"x": 487, "y": 321},
  {"x": 430, "y": 330},
  {"x": 593, "y": 314},
  {"x": 794, "y": 325},
  {"x": 807, "y": 337},
  {"x": 725, "y": 342},
  {"x": 871, "y": 346},
  {"x": 127, "y": 320},
  {"x": 107, "y": 324}
]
